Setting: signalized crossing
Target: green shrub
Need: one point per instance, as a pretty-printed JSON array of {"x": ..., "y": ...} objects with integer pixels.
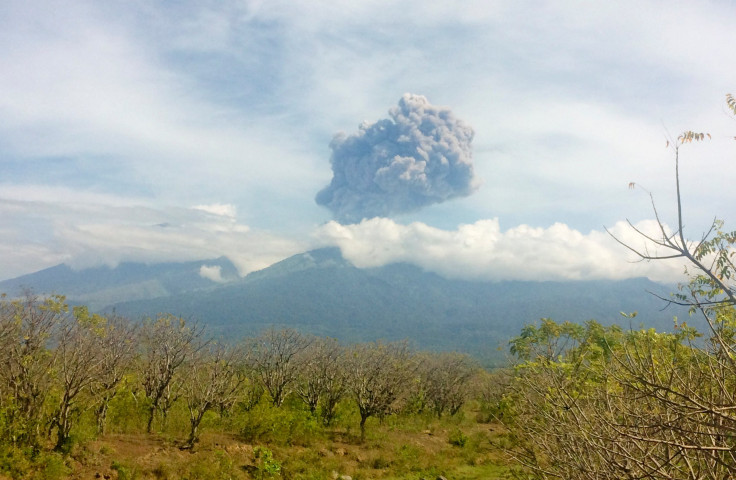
[
  {"x": 125, "y": 414},
  {"x": 15, "y": 462},
  {"x": 379, "y": 463},
  {"x": 280, "y": 426},
  {"x": 266, "y": 465},
  {"x": 124, "y": 472},
  {"x": 215, "y": 466},
  {"x": 458, "y": 438},
  {"x": 52, "y": 466}
]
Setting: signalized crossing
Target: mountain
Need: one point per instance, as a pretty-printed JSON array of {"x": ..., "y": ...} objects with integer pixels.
[
  {"x": 322, "y": 293},
  {"x": 102, "y": 286}
]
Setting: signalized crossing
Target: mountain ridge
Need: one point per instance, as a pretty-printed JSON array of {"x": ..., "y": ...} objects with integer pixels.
[{"x": 322, "y": 293}]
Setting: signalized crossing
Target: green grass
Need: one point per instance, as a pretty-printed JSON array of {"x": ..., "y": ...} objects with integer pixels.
[{"x": 402, "y": 447}]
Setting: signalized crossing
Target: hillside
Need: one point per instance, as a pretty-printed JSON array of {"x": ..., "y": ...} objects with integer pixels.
[
  {"x": 102, "y": 286},
  {"x": 322, "y": 293}
]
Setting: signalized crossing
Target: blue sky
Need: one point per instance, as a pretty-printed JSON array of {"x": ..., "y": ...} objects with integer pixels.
[{"x": 168, "y": 131}]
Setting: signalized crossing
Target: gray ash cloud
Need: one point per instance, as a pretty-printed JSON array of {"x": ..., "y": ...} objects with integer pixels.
[{"x": 419, "y": 156}]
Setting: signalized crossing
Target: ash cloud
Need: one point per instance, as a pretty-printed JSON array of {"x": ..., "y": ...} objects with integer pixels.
[{"x": 419, "y": 156}]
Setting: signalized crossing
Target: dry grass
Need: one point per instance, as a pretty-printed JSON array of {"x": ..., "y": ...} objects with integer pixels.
[{"x": 400, "y": 448}]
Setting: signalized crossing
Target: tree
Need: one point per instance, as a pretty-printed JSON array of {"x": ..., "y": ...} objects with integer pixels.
[
  {"x": 27, "y": 325},
  {"x": 214, "y": 377},
  {"x": 117, "y": 345},
  {"x": 79, "y": 362},
  {"x": 167, "y": 343},
  {"x": 274, "y": 357},
  {"x": 600, "y": 403},
  {"x": 377, "y": 377},
  {"x": 445, "y": 380},
  {"x": 321, "y": 378}
]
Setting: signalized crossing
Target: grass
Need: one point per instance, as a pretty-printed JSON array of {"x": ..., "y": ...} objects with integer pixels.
[{"x": 399, "y": 447}]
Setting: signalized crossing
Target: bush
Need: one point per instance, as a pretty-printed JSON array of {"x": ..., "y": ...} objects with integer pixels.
[
  {"x": 14, "y": 462},
  {"x": 52, "y": 466},
  {"x": 458, "y": 438},
  {"x": 124, "y": 472},
  {"x": 280, "y": 426},
  {"x": 218, "y": 466},
  {"x": 29, "y": 464},
  {"x": 266, "y": 465}
]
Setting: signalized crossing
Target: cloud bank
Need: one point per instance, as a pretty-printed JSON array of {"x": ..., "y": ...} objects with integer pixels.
[
  {"x": 482, "y": 251},
  {"x": 42, "y": 227},
  {"x": 39, "y": 232},
  {"x": 419, "y": 156}
]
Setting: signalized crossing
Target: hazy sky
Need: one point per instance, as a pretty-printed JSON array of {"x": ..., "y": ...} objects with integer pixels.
[{"x": 167, "y": 131}]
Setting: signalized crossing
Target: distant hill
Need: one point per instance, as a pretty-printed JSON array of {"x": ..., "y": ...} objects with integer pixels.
[
  {"x": 322, "y": 293},
  {"x": 102, "y": 286}
]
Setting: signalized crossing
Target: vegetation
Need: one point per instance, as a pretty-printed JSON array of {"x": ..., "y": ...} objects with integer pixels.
[
  {"x": 594, "y": 402},
  {"x": 82, "y": 393},
  {"x": 89, "y": 395}
]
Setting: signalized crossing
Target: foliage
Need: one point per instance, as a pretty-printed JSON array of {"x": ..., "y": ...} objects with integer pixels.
[
  {"x": 458, "y": 438},
  {"x": 266, "y": 465},
  {"x": 279, "y": 426},
  {"x": 597, "y": 402}
]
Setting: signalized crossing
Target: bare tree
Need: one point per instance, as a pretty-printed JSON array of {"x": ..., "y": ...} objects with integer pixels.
[
  {"x": 79, "y": 360},
  {"x": 26, "y": 366},
  {"x": 117, "y": 345},
  {"x": 214, "y": 377},
  {"x": 7, "y": 324},
  {"x": 710, "y": 257},
  {"x": 445, "y": 380},
  {"x": 377, "y": 377},
  {"x": 274, "y": 357},
  {"x": 321, "y": 379},
  {"x": 252, "y": 390},
  {"x": 167, "y": 343}
]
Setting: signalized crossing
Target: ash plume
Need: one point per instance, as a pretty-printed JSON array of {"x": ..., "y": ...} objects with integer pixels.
[{"x": 419, "y": 156}]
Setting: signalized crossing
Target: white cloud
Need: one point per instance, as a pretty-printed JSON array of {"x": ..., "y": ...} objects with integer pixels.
[
  {"x": 212, "y": 272},
  {"x": 230, "y": 106},
  {"x": 482, "y": 251},
  {"x": 40, "y": 233},
  {"x": 222, "y": 209}
]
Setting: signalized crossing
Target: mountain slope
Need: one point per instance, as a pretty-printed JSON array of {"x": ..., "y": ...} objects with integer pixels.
[
  {"x": 321, "y": 293},
  {"x": 102, "y": 286}
]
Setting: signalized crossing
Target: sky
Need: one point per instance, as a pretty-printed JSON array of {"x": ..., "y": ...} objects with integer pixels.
[{"x": 477, "y": 139}]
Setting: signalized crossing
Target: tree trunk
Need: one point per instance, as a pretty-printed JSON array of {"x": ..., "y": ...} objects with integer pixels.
[
  {"x": 63, "y": 427},
  {"x": 102, "y": 416},
  {"x": 151, "y": 413},
  {"x": 193, "y": 433},
  {"x": 194, "y": 421},
  {"x": 363, "y": 418}
]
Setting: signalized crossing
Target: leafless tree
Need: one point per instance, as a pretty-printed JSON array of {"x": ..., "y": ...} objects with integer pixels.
[
  {"x": 445, "y": 380},
  {"x": 7, "y": 324},
  {"x": 274, "y": 357},
  {"x": 117, "y": 344},
  {"x": 321, "y": 379},
  {"x": 252, "y": 390},
  {"x": 377, "y": 377},
  {"x": 79, "y": 360},
  {"x": 167, "y": 343},
  {"x": 26, "y": 366},
  {"x": 214, "y": 377}
]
